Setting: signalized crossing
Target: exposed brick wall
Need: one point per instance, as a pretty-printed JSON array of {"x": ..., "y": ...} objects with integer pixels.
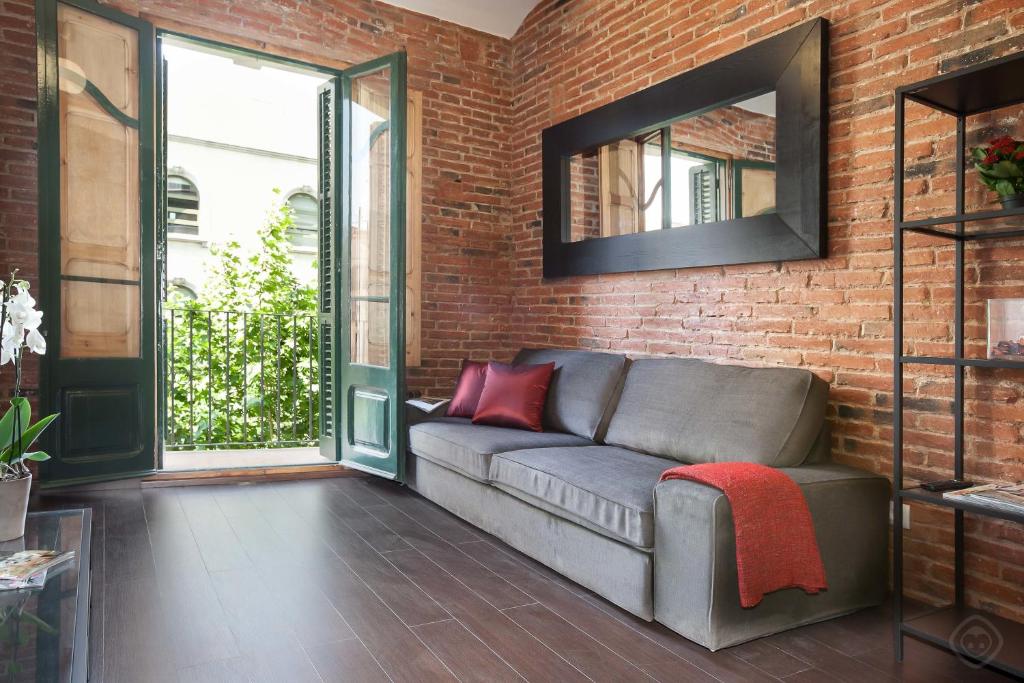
[
  {"x": 733, "y": 132},
  {"x": 486, "y": 101},
  {"x": 833, "y": 316},
  {"x": 464, "y": 76},
  {"x": 18, "y": 242}
]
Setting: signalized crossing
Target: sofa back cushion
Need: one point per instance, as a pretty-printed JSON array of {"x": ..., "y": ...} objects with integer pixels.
[
  {"x": 698, "y": 412},
  {"x": 582, "y": 389}
]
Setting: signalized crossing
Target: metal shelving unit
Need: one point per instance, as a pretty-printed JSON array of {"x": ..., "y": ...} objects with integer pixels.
[{"x": 985, "y": 87}]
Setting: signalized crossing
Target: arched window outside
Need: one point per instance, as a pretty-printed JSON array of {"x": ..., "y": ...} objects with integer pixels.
[
  {"x": 183, "y": 288},
  {"x": 306, "y": 216},
  {"x": 182, "y": 206}
]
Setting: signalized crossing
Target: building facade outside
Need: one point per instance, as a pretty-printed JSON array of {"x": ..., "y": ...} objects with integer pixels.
[{"x": 242, "y": 139}]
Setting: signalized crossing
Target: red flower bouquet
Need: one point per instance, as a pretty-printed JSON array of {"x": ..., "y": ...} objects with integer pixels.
[{"x": 1001, "y": 167}]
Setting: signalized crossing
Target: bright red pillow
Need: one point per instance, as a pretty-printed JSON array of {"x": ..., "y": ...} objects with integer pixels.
[
  {"x": 467, "y": 389},
  {"x": 514, "y": 396}
]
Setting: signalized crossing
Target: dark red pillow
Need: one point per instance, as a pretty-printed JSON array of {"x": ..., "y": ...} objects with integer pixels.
[
  {"x": 467, "y": 389},
  {"x": 514, "y": 396}
]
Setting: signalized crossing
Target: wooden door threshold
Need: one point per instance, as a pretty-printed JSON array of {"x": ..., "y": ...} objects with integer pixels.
[{"x": 246, "y": 474}]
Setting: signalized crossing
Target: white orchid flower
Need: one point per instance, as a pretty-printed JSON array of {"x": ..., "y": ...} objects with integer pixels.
[
  {"x": 35, "y": 342},
  {"x": 21, "y": 306},
  {"x": 22, "y": 319}
]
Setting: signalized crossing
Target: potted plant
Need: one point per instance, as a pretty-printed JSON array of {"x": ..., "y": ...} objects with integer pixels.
[
  {"x": 19, "y": 330},
  {"x": 1000, "y": 165}
]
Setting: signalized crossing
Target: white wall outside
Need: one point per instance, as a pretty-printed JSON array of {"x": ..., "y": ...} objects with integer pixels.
[{"x": 238, "y": 128}]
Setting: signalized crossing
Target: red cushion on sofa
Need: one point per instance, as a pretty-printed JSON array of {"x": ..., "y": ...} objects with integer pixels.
[
  {"x": 467, "y": 389},
  {"x": 514, "y": 395}
]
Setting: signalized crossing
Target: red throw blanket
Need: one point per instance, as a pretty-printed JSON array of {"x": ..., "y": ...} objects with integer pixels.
[{"x": 775, "y": 543}]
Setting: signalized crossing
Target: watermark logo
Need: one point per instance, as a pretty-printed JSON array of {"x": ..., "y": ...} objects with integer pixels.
[{"x": 976, "y": 640}]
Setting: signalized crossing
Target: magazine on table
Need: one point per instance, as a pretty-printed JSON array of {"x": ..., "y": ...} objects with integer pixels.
[
  {"x": 429, "y": 406},
  {"x": 1008, "y": 497},
  {"x": 29, "y": 568}
]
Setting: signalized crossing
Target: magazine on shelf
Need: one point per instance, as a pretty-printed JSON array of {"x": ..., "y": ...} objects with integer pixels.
[
  {"x": 428, "y": 405},
  {"x": 29, "y": 568},
  {"x": 1008, "y": 497}
]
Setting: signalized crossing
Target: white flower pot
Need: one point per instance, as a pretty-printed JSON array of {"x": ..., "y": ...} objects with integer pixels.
[{"x": 14, "y": 507}]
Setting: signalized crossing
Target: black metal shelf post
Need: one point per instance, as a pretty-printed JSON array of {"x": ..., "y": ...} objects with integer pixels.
[{"x": 978, "y": 89}]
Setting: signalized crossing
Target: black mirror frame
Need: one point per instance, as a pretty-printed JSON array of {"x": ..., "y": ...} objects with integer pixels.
[{"x": 795, "y": 65}]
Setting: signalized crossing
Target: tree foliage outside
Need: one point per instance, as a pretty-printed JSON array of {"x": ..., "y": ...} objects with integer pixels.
[{"x": 242, "y": 357}]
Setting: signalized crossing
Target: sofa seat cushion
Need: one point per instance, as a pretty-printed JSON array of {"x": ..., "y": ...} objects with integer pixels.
[
  {"x": 466, "y": 448},
  {"x": 609, "y": 490}
]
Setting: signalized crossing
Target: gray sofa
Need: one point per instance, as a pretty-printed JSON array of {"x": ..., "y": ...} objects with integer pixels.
[{"x": 583, "y": 496}]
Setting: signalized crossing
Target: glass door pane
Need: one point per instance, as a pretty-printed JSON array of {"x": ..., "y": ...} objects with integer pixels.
[
  {"x": 370, "y": 240},
  {"x": 100, "y": 246}
]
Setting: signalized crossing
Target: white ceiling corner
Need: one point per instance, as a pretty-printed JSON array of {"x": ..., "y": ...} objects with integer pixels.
[{"x": 497, "y": 17}]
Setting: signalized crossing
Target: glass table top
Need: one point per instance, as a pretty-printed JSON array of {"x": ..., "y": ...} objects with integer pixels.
[{"x": 44, "y": 632}]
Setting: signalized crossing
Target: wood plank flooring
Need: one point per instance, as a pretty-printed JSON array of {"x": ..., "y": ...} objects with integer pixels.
[{"x": 354, "y": 579}]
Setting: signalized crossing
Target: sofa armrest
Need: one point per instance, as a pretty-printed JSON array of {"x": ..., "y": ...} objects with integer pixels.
[{"x": 695, "y": 582}]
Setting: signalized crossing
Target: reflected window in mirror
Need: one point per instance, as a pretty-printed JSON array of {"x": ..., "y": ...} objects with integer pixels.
[{"x": 699, "y": 169}]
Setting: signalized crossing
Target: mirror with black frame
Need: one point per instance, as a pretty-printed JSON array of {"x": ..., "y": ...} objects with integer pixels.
[{"x": 720, "y": 165}]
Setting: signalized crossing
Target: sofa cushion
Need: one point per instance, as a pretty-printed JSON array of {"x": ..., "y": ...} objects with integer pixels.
[
  {"x": 609, "y": 490},
  {"x": 514, "y": 396},
  {"x": 467, "y": 448},
  {"x": 697, "y": 412},
  {"x": 582, "y": 389},
  {"x": 467, "y": 389}
]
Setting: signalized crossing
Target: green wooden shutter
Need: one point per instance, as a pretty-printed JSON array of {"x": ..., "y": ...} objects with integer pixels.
[
  {"x": 704, "y": 193},
  {"x": 327, "y": 265}
]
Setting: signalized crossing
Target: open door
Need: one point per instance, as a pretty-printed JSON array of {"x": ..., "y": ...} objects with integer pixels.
[
  {"x": 96, "y": 146},
  {"x": 369, "y": 376}
]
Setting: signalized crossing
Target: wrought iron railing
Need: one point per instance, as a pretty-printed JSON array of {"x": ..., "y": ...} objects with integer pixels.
[{"x": 240, "y": 380}]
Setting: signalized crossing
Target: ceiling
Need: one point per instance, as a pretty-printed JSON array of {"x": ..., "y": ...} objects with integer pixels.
[{"x": 497, "y": 17}]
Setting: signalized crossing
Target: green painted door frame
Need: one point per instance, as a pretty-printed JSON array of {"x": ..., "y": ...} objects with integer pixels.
[
  {"x": 371, "y": 428},
  {"x": 363, "y": 399},
  {"x": 108, "y": 422}
]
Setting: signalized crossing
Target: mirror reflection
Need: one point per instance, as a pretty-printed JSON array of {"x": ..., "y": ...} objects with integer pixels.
[{"x": 701, "y": 169}]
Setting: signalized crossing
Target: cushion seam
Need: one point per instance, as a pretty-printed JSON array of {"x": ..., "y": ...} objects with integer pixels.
[
  {"x": 796, "y": 420},
  {"x": 454, "y": 468},
  {"x": 608, "y": 534},
  {"x": 581, "y": 488},
  {"x": 511, "y": 450}
]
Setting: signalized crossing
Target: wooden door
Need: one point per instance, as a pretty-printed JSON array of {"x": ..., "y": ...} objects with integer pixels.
[
  {"x": 370, "y": 376},
  {"x": 96, "y": 239}
]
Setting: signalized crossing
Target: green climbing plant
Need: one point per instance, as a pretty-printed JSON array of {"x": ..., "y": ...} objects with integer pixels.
[{"x": 241, "y": 362}]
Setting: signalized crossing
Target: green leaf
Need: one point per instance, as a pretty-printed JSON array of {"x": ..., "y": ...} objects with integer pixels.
[
  {"x": 7, "y": 423},
  {"x": 978, "y": 154},
  {"x": 1006, "y": 169},
  {"x": 1005, "y": 188},
  {"x": 40, "y": 624},
  {"x": 28, "y": 437},
  {"x": 36, "y": 456}
]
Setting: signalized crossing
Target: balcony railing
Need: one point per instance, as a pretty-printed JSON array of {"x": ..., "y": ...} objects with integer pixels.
[{"x": 236, "y": 380}]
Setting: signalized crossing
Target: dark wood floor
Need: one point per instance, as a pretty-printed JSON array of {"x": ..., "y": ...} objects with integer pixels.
[{"x": 357, "y": 580}]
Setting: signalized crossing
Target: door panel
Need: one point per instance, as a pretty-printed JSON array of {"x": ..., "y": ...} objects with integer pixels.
[
  {"x": 97, "y": 264},
  {"x": 371, "y": 375}
]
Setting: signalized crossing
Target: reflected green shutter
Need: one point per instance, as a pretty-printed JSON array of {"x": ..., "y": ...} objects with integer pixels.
[{"x": 704, "y": 193}]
